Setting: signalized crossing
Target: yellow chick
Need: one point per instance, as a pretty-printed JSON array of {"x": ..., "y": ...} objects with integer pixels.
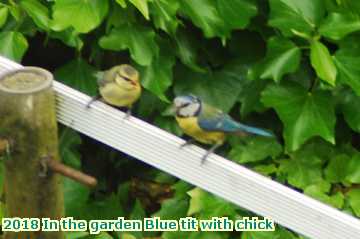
[{"x": 119, "y": 86}]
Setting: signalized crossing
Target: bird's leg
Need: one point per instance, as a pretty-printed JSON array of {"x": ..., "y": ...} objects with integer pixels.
[
  {"x": 210, "y": 151},
  {"x": 128, "y": 113},
  {"x": 95, "y": 98},
  {"x": 188, "y": 142}
]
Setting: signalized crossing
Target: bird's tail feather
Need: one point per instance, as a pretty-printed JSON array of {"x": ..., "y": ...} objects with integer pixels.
[{"x": 253, "y": 130}]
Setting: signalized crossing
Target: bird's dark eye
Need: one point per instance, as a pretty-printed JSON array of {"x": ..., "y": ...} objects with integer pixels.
[
  {"x": 186, "y": 104},
  {"x": 125, "y": 78}
]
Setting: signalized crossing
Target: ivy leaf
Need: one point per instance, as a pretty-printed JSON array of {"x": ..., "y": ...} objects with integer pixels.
[
  {"x": 229, "y": 10},
  {"x": 320, "y": 191},
  {"x": 78, "y": 74},
  {"x": 102, "y": 235},
  {"x": 157, "y": 77},
  {"x": 173, "y": 208},
  {"x": 187, "y": 47},
  {"x": 206, "y": 235},
  {"x": 4, "y": 11},
  {"x": 302, "y": 171},
  {"x": 122, "y": 3},
  {"x": 149, "y": 104},
  {"x": 304, "y": 114},
  {"x": 296, "y": 17},
  {"x": 15, "y": 11},
  {"x": 142, "y": 6},
  {"x": 354, "y": 199},
  {"x": 322, "y": 62},
  {"x": 102, "y": 209},
  {"x": 204, "y": 14},
  {"x": 137, "y": 213},
  {"x": 266, "y": 169},
  {"x": 176, "y": 234},
  {"x": 181, "y": 189},
  {"x": 347, "y": 61},
  {"x": 168, "y": 125},
  {"x": 208, "y": 205},
  {"x": 119, "y": 16},
  {"x": 76, "y": 235},
  {"x": 164, "y": 14},
  {"x": 75, "y": 197},
  {"x": 13, "y": 45},
  {"x": 250, "y": 97},
  {"x": 69, "y": 37},
  {"x": 353, "y": 169},
  {"x": 352, "y": 6},
  {"x": 282, "y": 57},
  {"x": 177, "y": 206},
  {"x": 337, "y": 25},
  {"x": 126, "y": 235},
  {"x": 83, "y": 15},
  {"x": 336, "y": 170},
  {"x": 38, "y": 12},
  {"x": 210, "y": 87},
  {"x": 138, "y": 39},
  {"x": 68, "y": 142},
  {"x": 196, "y": 203},
  {"x": 255, "y": 149},
  {"x": 279, "y": 233},
  {"x": 194, "y": 235}
]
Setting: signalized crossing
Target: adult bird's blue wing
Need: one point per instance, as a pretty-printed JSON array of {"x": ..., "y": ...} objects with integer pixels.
[{"x": 211, "y": 119}]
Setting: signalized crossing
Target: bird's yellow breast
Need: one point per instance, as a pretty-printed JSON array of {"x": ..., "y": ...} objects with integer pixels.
[
  {"x": 191, "y": 127},
  {"x": 120, "y": 95}
]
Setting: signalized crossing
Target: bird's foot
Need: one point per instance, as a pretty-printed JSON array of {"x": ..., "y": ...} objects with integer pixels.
[
  {"x": 95, "y": 98},
  {"x": 128, "y": 114},
  {"x": 210, "y": 151},
  {"x": 203, "y": 158},
  {"x": 188, "y": 142}
]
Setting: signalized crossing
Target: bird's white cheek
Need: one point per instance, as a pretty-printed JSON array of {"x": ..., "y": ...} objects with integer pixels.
[{"x": 189, "y": 110}]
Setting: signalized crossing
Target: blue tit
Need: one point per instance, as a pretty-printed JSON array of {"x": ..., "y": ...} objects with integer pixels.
[
  {"x": 119, "y": 87},
  {"x": 208, "y": 124}
]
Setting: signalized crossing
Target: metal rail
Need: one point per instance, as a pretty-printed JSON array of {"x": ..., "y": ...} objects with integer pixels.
[{"x": 219, "y": 176}]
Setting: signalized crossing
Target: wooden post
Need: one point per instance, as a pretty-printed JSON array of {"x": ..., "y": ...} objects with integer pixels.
[{"x": 28, "y": 123}]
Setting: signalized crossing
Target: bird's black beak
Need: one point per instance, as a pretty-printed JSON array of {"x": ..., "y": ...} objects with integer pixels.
[{"x": 169, "y": 111}]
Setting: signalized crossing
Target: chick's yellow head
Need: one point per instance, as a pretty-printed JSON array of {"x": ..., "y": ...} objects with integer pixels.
[{"x": 127, "y": 73}]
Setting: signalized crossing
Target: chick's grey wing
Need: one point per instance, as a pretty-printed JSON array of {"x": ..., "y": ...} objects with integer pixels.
[{"x": 101, "y": 78}]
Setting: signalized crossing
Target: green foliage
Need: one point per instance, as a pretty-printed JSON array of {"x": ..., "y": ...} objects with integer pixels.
[
  {"x": 354, "y": 201},
  {"x": 3, "y": 15},
  {"x": 283, "y": 57},
  {"x": 337, "y": 25},
  {"x": 322, "y": 62},
  {"x": 347, "y": 60},
  {"x": 38, "y": 12},
  {"x": 293, "y": 17},
  {"x": 286, "y": 65},
  {"x": 13, "y": 44},
  {"x": 255, "y": 149},
  {"x": 280, "y": 233},
  {"x": 139, "y": 40},
  {"x": 82, "y": 15},
  {"x": 79, "y": 74},
  {"x": 304, "y": 114}
]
